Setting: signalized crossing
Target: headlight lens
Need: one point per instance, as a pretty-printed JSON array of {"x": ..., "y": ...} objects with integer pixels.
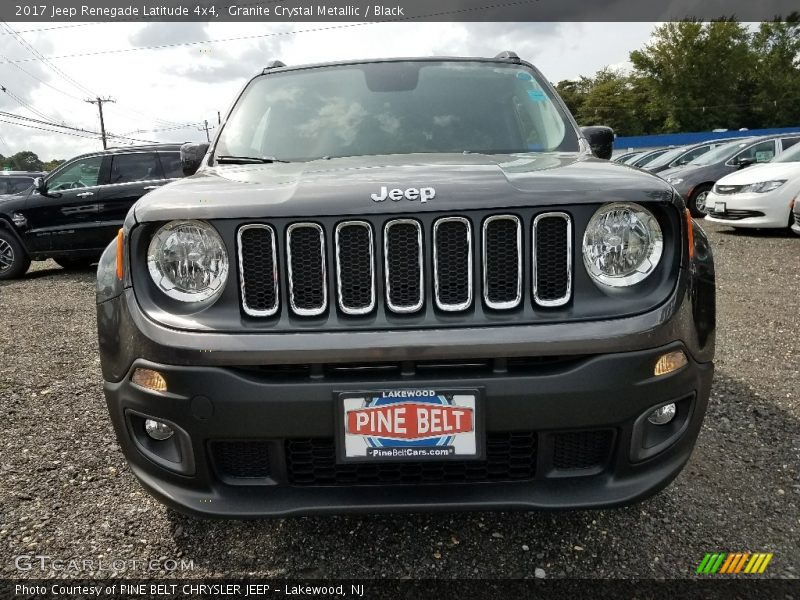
[
  {"x": 763, "y": 186},
  {"x": 622, "y": 244},
  {"x": 674, "y": 180},
  {"x": 188, "y": 261}
]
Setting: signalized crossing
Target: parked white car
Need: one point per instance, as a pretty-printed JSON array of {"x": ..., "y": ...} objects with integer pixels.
[{"x": 760, "y": 196}]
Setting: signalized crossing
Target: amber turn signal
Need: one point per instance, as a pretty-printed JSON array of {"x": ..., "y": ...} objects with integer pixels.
[
  {"x": 150, "y": 379},
  {"x": 669, "y": 362},
  {"x": 689, "y": 233},
  {"x": 120, "y": 247}
]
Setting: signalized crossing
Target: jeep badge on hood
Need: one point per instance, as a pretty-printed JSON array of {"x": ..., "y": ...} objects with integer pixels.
[{"x": 396, "y": 194}]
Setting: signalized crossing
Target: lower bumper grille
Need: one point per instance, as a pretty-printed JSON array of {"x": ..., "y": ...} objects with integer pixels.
[
  {"x": 509, "y": 457},
  {"x": 735, "y": 215},
  {"x": 581, "y": 449},
  {"x": 241, "y": 460}
]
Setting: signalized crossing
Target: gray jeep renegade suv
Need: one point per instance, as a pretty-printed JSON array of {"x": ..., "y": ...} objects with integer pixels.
[{"x": 406, "y": 284}]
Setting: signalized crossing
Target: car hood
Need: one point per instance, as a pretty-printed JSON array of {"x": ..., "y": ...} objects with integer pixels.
[
  {"x": 683, "y": 171},
  {"x": 763, "y": 172},
  {"x": 344, "y": 186}
]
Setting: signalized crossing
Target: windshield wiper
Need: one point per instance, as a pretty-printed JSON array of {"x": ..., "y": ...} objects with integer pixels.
[{"x": 249, "y": 160}]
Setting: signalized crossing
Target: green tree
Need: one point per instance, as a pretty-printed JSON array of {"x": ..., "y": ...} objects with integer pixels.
[
  {"x": 574, "y": 92},
  {"x": 614, "y": 99},
  {"x": 52, "y": 164},
  {"x": 776, "y": 73},
  {"x": 24, "y": 161},
  {"x": 696, "y": 74}
]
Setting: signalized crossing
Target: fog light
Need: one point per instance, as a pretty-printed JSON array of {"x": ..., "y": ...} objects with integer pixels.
[
  {"x": 663, "y": 414},
  {"x": 671, "y": 361},
  {"x": 150, "y": 379},
  {"x": 158, "y": 430}
]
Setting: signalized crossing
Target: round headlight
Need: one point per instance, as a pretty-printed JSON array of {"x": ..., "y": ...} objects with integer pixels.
[
  {"x": 622, "y": 244},
  {"x": 188, "y": 261}
]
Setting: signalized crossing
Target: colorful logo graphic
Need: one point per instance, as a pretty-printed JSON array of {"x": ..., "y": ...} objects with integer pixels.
[
  {"x": 730, "y": 563},
  {"x": 444, "y": 423}
]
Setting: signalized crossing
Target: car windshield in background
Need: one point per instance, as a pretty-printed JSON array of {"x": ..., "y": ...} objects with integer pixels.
[
  {"x": 790, "y": 155},
  {"x": 396, "y": 108},
  {"x": 14, "y": 185},
  {"x": 667, "y": 157},
  {"x": 720, "y": 154}
]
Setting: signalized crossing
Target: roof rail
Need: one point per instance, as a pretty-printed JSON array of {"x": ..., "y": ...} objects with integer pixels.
[
  {"x": 508, "y": 55},
  {"x": 273, "y": 64}
]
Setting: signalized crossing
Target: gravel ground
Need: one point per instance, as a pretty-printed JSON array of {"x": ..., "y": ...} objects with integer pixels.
[{"x": 65, "y": 490}]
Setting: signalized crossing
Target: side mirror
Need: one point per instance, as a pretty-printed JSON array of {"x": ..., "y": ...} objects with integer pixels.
[
  {"x": 40, "y": 185},
  {"x": 192, "y": 157},
  {"x": 744, "y": 162},
  {"x": 601, "y": 140}
]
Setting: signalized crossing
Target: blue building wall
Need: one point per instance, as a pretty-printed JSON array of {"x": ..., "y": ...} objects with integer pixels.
[{"x": 681, "y": 139}]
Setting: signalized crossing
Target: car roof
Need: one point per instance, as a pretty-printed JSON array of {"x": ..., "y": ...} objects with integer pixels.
[
  {"x": 502, "y": 58},
  {"x": 129, "y": 149}
]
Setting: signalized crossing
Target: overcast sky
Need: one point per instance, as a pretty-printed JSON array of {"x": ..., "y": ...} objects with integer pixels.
[{"x": 169, "y": 87}]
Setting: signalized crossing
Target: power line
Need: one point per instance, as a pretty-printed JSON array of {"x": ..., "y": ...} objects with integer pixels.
[
  {"x": 23, "y": 104},
  {"x": 68, "y": 127},
  {"x": 48, "y": 130},
  {"x": 45, "y": 61},
  {"x": 280, "y": 33}
]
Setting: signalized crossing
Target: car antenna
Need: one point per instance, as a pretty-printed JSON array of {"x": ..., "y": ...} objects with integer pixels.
[
  {"x": 508, "y": 55},
  {"x": 273, "y": 64}
]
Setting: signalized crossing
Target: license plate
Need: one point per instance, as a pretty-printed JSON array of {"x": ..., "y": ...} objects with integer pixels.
[
  {"x": 719, "y": 207},
  {"x": 410, "y": 425}
]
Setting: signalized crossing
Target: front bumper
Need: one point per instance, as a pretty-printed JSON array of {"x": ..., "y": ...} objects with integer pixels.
[
  {"x": 753, "y": 210},
  {"x": 607, "y": 392}
]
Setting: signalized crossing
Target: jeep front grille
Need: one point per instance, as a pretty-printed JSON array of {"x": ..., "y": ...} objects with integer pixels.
[
  {"x": 452, "y": 263},
  {"x": 258, "y": 270},
  {"x": 305, "y": 253},
  {"x": 502, "y": 262},
  {"x": 355, "y": 267},
  {"x": 552, "y": 252},
  {"x": 403, "y": 266}
]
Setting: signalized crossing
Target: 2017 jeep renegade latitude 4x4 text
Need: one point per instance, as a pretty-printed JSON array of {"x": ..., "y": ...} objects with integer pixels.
[{"x": 406, "y": 284}]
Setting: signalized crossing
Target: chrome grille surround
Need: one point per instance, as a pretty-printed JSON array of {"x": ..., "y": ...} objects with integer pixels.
[
  {"x": 552, "y": 302},
  {"x": 506, "y": 305},
  {"x": 239, "y": 245},
  {"x": 342, "y": 306},
  {"x": 301, "y": 311},
  {"x": 387, "y": 275},
  {"x": 449, "y": 307}
]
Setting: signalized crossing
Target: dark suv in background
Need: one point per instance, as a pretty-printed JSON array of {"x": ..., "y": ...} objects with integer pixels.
[
  {"x": 72, "y": 214},
  {"x": 14, "y": 182}
]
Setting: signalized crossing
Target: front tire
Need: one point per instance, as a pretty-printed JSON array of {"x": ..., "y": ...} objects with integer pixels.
[
  {"x": 14, "y": 261},
  {"x": 75, "y": 264},
  {"x": 697, "y": 201}
]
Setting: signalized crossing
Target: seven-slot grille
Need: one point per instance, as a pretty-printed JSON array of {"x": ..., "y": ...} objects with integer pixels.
[{"x": 457, "y": 262}]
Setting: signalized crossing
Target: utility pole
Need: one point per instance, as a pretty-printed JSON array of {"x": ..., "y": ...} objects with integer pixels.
[
  {"x": 99, "y": 101},
  {"x": 206, "y": 128}
]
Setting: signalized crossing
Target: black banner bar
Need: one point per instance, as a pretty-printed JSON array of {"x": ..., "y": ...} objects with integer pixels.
[
  {"x": 743, "y": 588},
  {"x": 283, "y": 11}
]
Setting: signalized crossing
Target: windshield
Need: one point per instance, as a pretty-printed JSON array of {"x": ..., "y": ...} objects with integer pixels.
[
  {"x": 667, "y": 157},
  {"x": 718, "y": 155},
  {"x": 648, "y": 158},
  {"x": 790, "y": 155},
  {"x": 396, "y": 108}
]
